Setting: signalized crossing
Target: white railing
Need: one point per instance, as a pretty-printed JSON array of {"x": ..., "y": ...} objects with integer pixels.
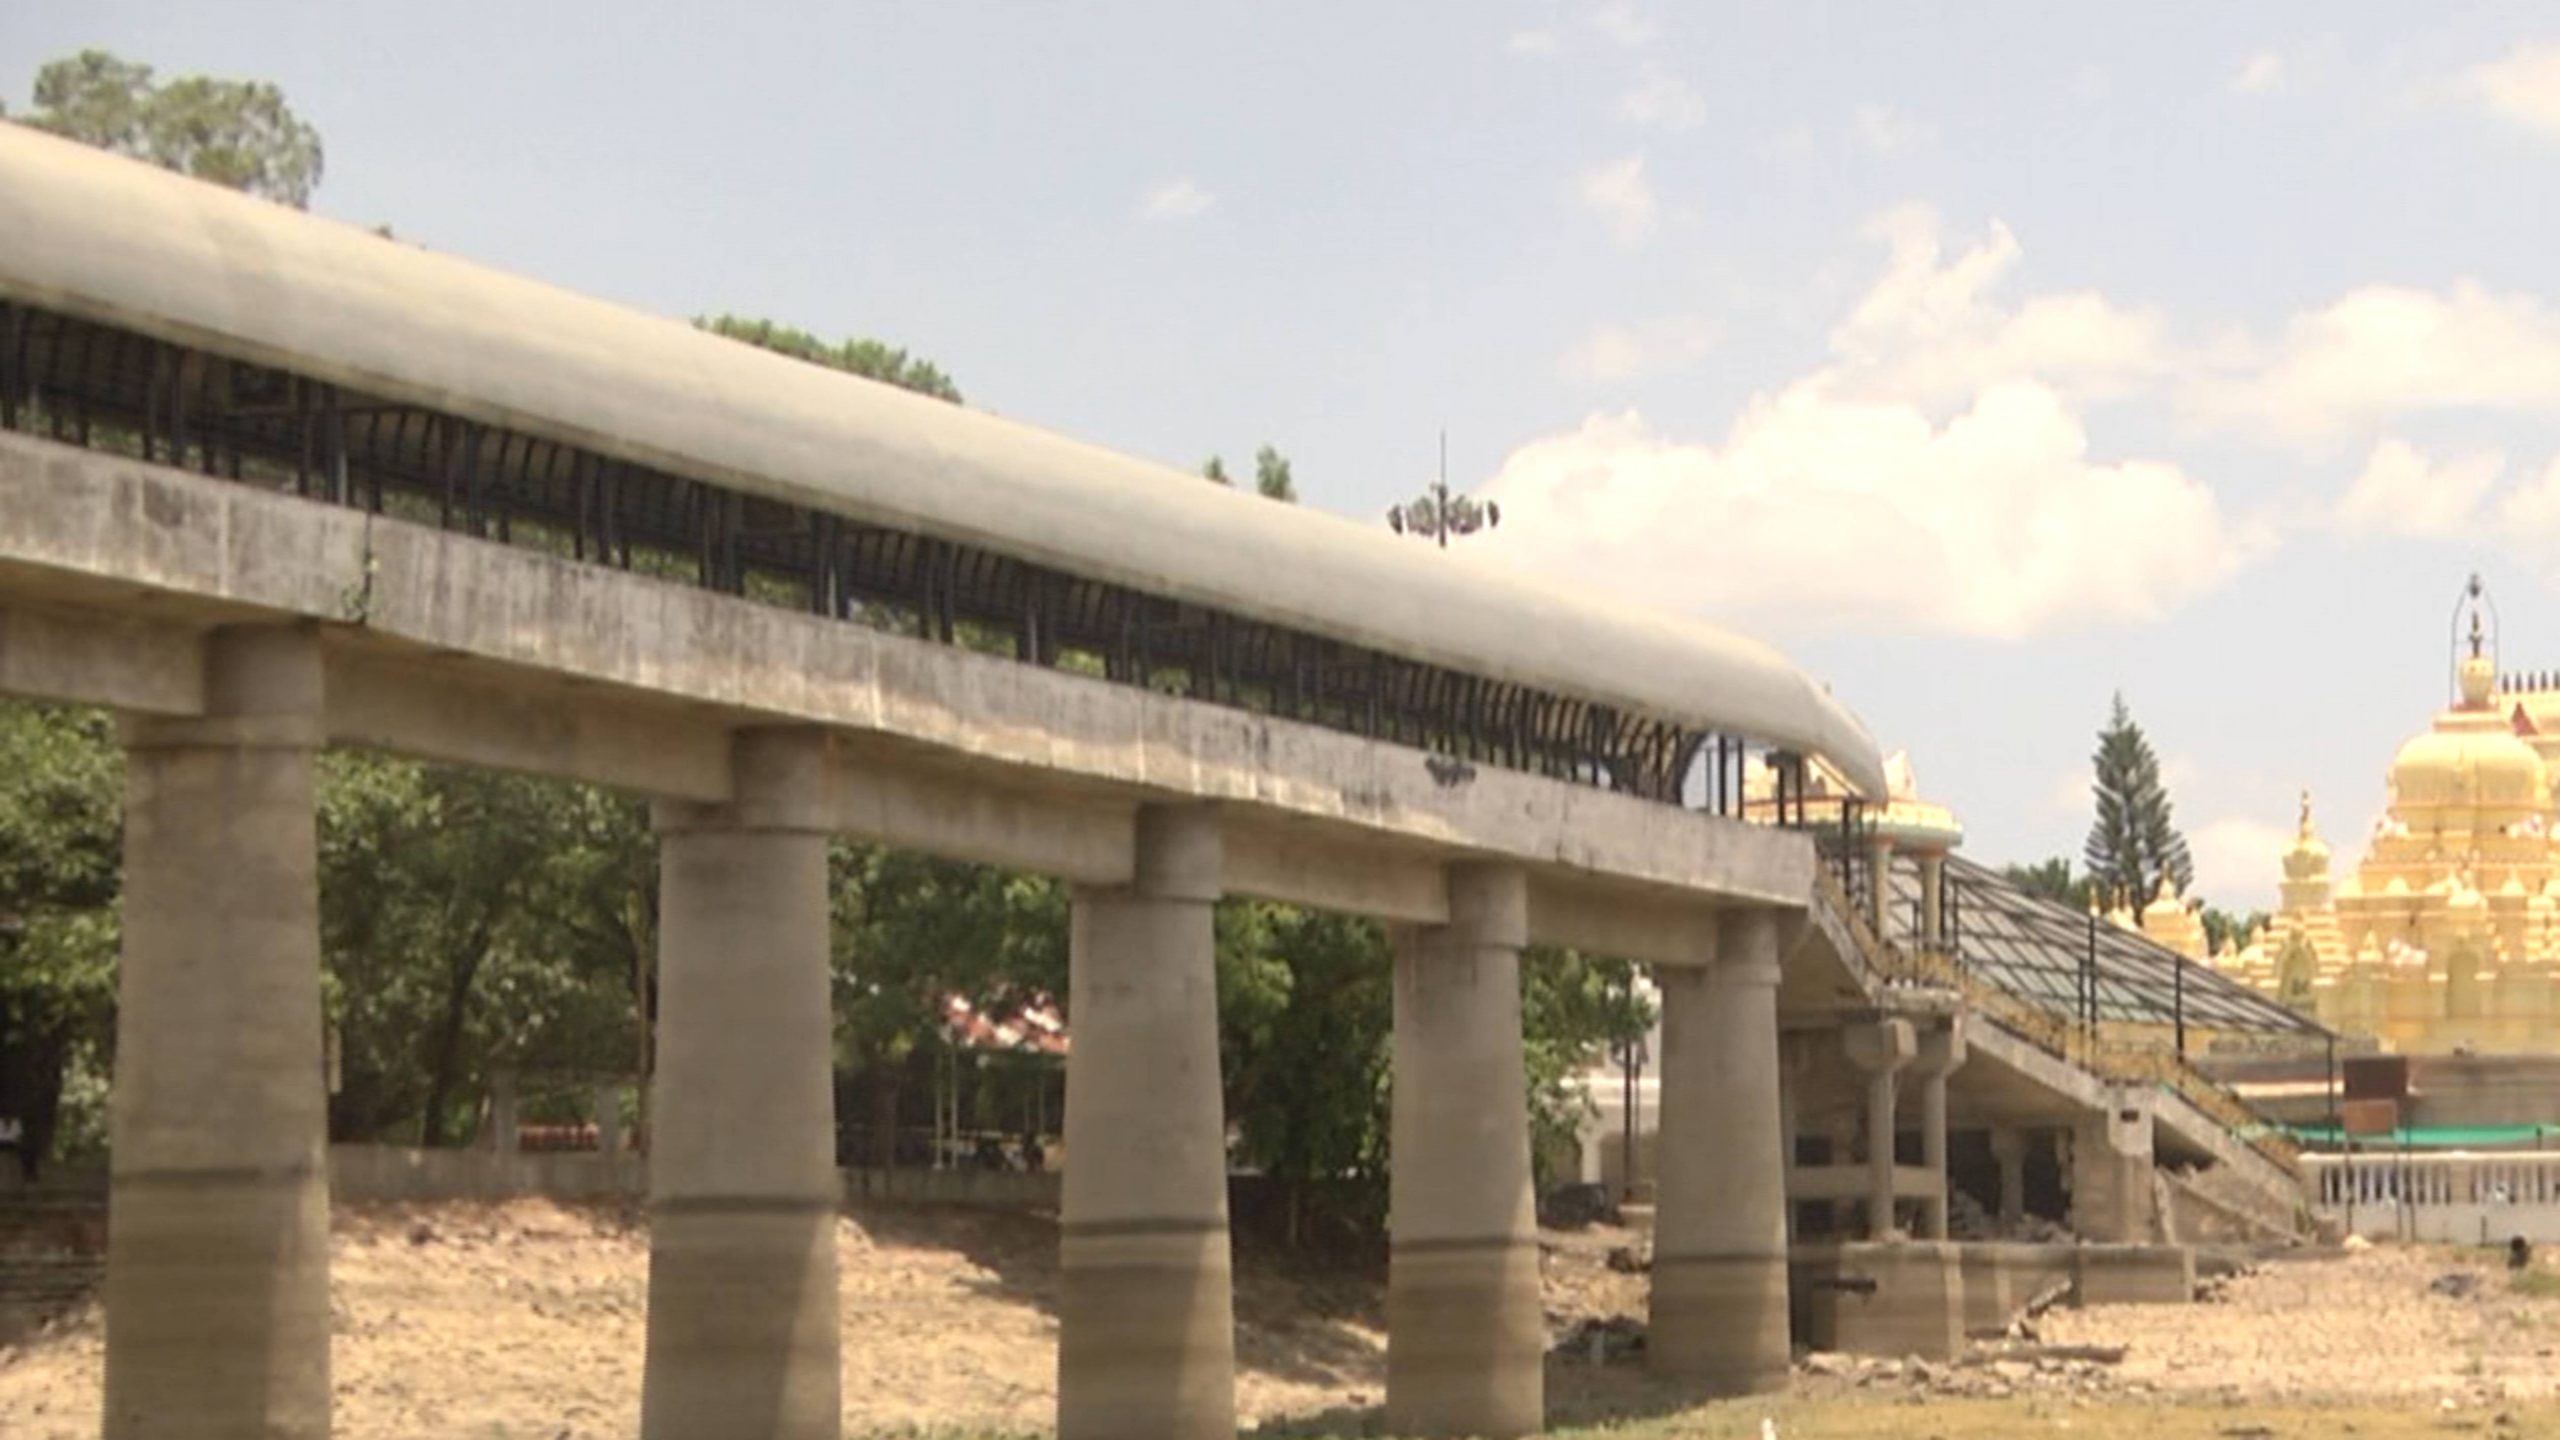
[{"x": 2459, "y": 1197}]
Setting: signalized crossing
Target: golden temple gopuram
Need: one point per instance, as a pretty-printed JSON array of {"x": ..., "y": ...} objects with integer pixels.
[{"x": 2447, "y": 936}]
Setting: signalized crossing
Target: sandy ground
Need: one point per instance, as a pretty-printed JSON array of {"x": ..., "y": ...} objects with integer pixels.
[
  {"x": 525, "y": 1320},
  {"x": 2365, "y": 1327}
]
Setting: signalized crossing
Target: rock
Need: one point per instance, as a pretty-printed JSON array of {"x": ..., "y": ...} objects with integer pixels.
[
  {"x": 2457, "y": 1284},
  {"x": 1626, "y": 1261},
  {"x": 1578, "y": 1207}
]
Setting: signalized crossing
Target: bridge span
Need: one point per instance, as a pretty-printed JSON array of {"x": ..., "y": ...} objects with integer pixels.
[{"x": 270, "y": 483}]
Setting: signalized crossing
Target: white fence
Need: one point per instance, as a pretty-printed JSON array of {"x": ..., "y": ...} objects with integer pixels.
[{"x": 2457, "y": 1197}]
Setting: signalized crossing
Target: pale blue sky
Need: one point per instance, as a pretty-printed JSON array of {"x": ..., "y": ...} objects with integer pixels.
[{"x": 1988, "y": 357}]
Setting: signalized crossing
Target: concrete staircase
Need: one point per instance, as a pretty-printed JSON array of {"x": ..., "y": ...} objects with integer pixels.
[{"x": 2256, "y": 1174}]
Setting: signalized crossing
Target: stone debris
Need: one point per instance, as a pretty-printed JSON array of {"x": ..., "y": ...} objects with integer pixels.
[
  {"x": 1601, "y": 1340},
  {"x": 1995, "y": 1370},
  {"x": 2455, "y": 1284},
  {"x": 1627, "y": 1260}
]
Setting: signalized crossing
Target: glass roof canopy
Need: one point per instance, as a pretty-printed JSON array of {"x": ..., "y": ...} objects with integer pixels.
[{"x": 2043, "y": 952}]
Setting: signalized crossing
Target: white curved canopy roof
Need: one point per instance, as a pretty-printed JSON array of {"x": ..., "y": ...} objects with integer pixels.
[{"x": 127, "y": 244}]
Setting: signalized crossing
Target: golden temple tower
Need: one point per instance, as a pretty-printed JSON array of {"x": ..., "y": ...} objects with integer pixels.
[{"x": 2447, "y": 936}]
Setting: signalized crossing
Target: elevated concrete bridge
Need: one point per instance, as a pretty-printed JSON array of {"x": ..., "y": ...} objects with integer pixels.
[{"x": 269, "y": 484}]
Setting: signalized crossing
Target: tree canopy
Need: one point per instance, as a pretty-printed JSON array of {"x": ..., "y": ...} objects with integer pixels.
[
  {"x": 238, "y": 133},
  {"x": 871, "y": 359}
]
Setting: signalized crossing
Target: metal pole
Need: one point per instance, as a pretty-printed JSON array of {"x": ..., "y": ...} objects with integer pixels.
[
  {"x": 2178, "y": 1002},
  {"x": 1627, "y": 1103}
]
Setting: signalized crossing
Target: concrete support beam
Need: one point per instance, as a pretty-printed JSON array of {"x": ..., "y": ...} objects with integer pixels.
[
  {"x": 1719, "y": 1305},
  {"x": 441, "y": 710},
  {"x": 1466, "y": 1341},
  {"x": 2009, "y": 1152},
  {"x": 1941, "y": 1050},
  {"x": 1881, "y": 1048},
  {"x": 1933, "y": 900},
  {"x": 1146, "y": 1311},
  {"x": 1634, "y": 924},
  {"x": 1278, "y": 860},
  {"x": 742, "y": 1181},
  {"x": 136, "y": 666},
  {"x": 217, "y": 1290}
]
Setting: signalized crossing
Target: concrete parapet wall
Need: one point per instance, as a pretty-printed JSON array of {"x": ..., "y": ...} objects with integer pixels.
[
  {"x": 401, "y": 1173},
  {"x": 1903, "y": 1298},
  {"x": 2134, "y": 1274}
]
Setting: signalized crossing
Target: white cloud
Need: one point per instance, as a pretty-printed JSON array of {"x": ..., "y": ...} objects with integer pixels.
[
  {"x": 1932, "y": 475},
  {"x": 2238, "y": 861},
  {"x": 1624, "y": 352},
  {"x": 2402, "y": 492},
  {"x": 2521, "y": 87},
  {"x": 1819, "y": 510},
  {"x": 1935, "y": 326},
  {"x": 1620, "y": 195},
  {"x": 1175, "y": 200},
  {"x": 1532, "y": 42},
  {"x": 1625, "y": 24},
  {"x": 2529, "y": 516},
  {"x": 1887, "y": 131},
  {"x": 2384, "y": 350},
  {"x": 1664, "y": 101},
  {"x": 2259, "y": 74}
]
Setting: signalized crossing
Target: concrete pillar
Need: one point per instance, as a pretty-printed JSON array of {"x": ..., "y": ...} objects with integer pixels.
[
  {"x": 1933, "y": 900},
  {"x": 1881, "y": 1048},
  {"x": 742, "y": 1181},
  {"x": 1940, "y": 1052},
  {"x": 1880, "y": 901},
  {"x": 2009, "y": 1151},
  {"x": 217, "y": 1288},
  {"x": 1146, "y": 1312},
  {"x": 1719, "y": 1305},
  {"x": 1466, "y": 1337}
]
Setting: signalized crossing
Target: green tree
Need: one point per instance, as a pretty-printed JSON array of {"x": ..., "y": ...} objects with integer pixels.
[
  {"x": 2051, "y": 879},
  {"x": 232, "y": 132},
  {"x": 1271, "y": 478},
  {"x": 2133, "y": 842},
  {"x": 871, "y": 359},
  {"x": 910, "y": 930},
  {"x": 1214, "y": 470},
  {"x": 61, "y": 818},
  {"x": 471, "y": 920},
  {"x": 2228, "y": 929}
]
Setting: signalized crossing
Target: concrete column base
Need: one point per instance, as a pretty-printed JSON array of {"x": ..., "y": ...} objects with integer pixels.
[
  {"x": 1862, "y": 1298},
  {"x": 743, "y": 1332},
  {"x": 1718, "y": 1322},
  {"x": 1467, "y": 1352},
  {"x": 2134, "y": 1274}
]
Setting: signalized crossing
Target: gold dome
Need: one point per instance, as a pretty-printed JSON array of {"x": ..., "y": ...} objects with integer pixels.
[{"x": 2471, "y": 760}]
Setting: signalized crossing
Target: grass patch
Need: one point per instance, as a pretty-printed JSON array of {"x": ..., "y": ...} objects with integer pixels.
[{"x": 2536, "y": 1284}]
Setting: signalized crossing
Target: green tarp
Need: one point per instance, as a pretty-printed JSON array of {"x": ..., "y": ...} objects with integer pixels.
[{"x": 2430, "y": 1137}]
